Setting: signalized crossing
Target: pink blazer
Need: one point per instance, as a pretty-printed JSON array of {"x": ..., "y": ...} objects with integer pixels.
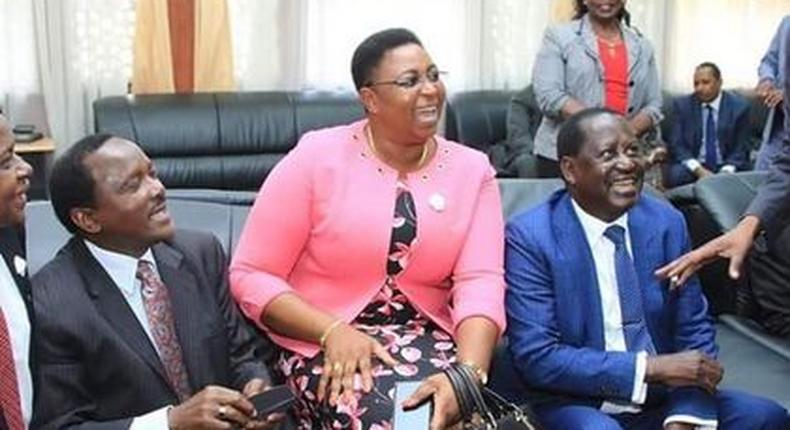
[{"x": 321, "y": 225}]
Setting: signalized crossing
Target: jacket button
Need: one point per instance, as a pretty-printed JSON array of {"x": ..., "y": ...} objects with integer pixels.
[
  {"x": 630, "y": 83},
  {"x": 630, "y": 109}
]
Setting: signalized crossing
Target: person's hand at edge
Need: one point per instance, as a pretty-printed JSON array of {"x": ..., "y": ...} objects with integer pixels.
[{"x": 734, "y": 245}]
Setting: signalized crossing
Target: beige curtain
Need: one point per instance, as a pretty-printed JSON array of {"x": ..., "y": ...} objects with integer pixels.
[
  {"x": 213, "y": 47},
  {"x": 152, "y": 71}
]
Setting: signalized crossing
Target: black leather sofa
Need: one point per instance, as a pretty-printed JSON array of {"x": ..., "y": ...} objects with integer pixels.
[
  {"x": 226, "y": 141},
  {"x": 231, "y": 141},
  {"x": 753, "y": 361},
  {"x": 481, "y": 119}
]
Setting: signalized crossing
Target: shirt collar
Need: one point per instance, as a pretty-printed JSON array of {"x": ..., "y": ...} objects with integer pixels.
[
  {"x": 122, "y": 268},
  {"x": 715, "y": 103},
  {"x": 593, "y": 227}
]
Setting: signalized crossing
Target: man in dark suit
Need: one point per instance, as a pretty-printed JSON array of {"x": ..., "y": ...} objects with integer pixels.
[
  {"x": 16, "y": 384},
  {"x": 710, "y": 130},
  {"x": 136, "y": 327},
  {"x": 601, "y": 340},
  {"x": 767, "y": 212}
]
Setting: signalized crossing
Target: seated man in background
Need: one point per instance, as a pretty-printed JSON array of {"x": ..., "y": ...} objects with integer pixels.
[
  {"x": 605, "y": 344},
  {"x": 710, "y": 130},
  {"x": 135, "y": 324}
]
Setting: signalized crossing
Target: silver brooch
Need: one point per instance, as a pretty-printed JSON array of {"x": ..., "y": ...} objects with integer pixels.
[{"x": 437, "y": 202}]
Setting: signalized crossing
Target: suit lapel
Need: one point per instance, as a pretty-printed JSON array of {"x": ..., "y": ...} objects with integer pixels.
[
  {"x": 572, "y": 245},
  {"x": 184, "y": 298},
  {"x": 114, "y": 308},
  {"x": 590, "y": 41},
  {"x": 724, "y": 118},
  {"x": 696, "y": 118},
  {"x": 644, "y": 234}
]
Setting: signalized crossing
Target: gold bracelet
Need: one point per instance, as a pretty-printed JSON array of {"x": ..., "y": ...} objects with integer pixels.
[
  {"x": 477, "y": 370},
  {"x": 327, "y": 331}
]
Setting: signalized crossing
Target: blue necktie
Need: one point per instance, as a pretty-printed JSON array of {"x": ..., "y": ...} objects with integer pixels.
[
  {"x": 635, "y": 331},
  {"x": 711, "y": 161}
]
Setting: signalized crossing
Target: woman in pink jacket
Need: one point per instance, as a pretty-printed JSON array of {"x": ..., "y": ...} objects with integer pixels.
[{"x": 374, "y": 251}]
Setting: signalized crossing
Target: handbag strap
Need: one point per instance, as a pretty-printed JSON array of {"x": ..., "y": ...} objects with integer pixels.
[
  {"x": 465, "y": 402},
  {"x": 472, "y": 386},
  {"x": 522, "y": 414}
]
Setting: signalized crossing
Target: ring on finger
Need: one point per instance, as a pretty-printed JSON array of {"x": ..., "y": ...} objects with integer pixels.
[
  {"x": 222, "y": 411},
  {"x": 337, "y": 367}
]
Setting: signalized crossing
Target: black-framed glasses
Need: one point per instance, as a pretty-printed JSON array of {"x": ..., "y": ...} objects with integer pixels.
[{"x": 413, "y": 80}]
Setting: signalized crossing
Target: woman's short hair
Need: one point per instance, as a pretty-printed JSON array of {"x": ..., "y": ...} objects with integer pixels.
[{"x": 369, "y": 53}]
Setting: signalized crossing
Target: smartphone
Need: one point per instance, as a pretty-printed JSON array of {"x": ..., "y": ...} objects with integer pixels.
[
  {"x": 418, "y": 418},
  {"x": 275, "y": 399}
]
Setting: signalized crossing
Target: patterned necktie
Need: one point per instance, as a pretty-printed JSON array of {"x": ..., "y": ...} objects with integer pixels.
[
  {"x": 711, "y": 159},
  {"x": 635, "y": 331},
  {"x": 160, "y": 317},
  {"x": 9, "y": 388}
]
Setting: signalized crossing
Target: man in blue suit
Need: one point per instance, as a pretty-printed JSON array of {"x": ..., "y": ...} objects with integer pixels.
[
  {"x": 603, "y": 342},
  {"x": 710, "y": 130}
]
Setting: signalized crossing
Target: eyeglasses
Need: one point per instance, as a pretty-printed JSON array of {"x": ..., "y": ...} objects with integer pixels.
[{"x": 411, "y": 81}]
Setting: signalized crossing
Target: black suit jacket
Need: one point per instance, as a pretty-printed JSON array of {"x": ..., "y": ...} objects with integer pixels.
[
  {"x": 12, "y": 244},
  {"x": 97, "y": 367},
  {"x": 732, "y": 130}
]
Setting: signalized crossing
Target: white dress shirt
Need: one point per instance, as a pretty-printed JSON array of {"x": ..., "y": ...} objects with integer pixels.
[
  {"x": 602, "y": 250},
  {"x": 18, "y": 323},
  {"x": 122, "y": 269},
  {"x": 694, "y": 163}
]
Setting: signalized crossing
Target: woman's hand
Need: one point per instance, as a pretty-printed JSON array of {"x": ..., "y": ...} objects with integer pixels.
[
  {"x": 347, "y": 351},
  {"x": 445, "y": 405}
]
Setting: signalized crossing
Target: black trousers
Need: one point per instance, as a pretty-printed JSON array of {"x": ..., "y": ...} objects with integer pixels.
[{"x": 766, "y": 297}]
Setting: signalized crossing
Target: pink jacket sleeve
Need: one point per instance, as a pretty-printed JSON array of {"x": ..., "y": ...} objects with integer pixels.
[
  {"x": 478, "y": 278},
  {"x": 274, "y": 235}
]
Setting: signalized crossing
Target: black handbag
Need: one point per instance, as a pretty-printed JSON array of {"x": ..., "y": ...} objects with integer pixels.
[{"x": 482, "y": 408}]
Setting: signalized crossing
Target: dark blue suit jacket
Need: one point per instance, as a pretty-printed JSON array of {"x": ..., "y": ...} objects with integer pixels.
[
  {"x": 732, "y": 130},
  {"x": 555, "y": 322}
]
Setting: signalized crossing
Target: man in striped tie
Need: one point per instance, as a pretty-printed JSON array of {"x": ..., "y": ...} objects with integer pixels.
[
  {"x": 16, "y": 385},
  {"x": 604, "y": 342},
  {"x": 135, "y": 325}
]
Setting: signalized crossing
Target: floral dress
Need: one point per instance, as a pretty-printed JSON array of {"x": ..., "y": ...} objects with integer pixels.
[{"x": 418, "y": 344}]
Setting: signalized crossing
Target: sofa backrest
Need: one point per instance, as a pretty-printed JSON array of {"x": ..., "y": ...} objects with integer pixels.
[
  {"x": 227, "y": 141},
  {"x": 223, "y": 213},
  {"x": 726, "y": 197},
  {"x": 478, "y": 118}
]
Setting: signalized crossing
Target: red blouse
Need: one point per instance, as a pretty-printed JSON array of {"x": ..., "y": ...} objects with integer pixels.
[{"x": 615, "y": 75}]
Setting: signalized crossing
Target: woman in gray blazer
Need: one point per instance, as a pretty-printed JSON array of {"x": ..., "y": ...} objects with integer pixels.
[{"x": 595, "y": 60}]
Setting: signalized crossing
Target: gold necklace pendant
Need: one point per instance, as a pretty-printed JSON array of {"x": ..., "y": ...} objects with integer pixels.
[{"x": 372, "y": 144}]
